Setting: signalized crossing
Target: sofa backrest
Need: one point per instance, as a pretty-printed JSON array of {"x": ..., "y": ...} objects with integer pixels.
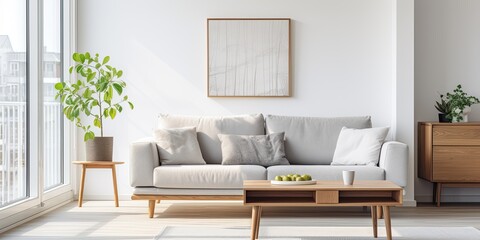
[
  {"x": 208, "y": 128},
  {"x": 312, "y": 140}
]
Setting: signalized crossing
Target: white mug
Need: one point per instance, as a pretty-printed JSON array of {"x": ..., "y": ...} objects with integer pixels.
[{"x": 348, "y": 177}]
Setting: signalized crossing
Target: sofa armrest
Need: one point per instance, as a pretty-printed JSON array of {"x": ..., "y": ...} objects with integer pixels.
[
  {"x": 394, "y": 160},
  {"x": 143, "y": 159}
]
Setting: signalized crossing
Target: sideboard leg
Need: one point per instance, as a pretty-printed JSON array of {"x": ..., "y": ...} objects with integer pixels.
[
  {"x": 439, "y": 193},
  {"x": 434, "y": 194}
]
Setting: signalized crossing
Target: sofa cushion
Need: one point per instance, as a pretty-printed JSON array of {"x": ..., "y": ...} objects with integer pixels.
[
  {"x": 263, "y": 150},
  {"x": 312, "y": 140},
  {"x": 206, "y": 176},
  {"x": 328, "y": 172},
  {"x": 208, "y": 128},
  {"x": 178, "y": 146}
]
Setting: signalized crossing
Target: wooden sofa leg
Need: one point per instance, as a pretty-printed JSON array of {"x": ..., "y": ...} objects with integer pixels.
[
  {"x": 158, "y": 201},
  {"x": 151, "y": 208}
]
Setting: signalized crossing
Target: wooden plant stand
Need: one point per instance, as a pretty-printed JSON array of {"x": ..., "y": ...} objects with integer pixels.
[{"x": 97, "y": 164}]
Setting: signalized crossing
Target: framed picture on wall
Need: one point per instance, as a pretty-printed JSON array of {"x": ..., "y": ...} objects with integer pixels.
[{"x": 248, "y": 57}]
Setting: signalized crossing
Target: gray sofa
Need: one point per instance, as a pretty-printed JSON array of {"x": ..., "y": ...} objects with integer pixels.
[{"x": 309, "y": 145}]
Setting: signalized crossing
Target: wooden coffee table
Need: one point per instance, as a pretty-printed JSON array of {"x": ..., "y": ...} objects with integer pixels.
[{"x": 376, "y": 194}]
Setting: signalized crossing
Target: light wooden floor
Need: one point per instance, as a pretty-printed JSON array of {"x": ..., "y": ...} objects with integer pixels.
[{"x": 100, "y": 220}]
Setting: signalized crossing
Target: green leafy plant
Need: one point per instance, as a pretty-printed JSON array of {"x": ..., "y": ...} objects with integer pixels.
[
  {"x": 443, "y": 106},
  {"x": 458, "y": 101},
  {"x": 93, "y": 93}
]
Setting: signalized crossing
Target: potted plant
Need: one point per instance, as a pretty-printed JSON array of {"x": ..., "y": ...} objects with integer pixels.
[
  {"x": 444, "y": 108},
  {"x": 98, "y": 94},
  {"x": 459, "y": 103}
]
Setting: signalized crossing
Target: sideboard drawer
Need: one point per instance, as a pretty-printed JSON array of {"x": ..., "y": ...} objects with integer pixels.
[
  {"x": 456, "y": 163},
  {"x": 456, "y": 135}
]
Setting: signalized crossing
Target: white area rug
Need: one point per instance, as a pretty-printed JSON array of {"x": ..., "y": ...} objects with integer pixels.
[{"x": 318, "y": 233}]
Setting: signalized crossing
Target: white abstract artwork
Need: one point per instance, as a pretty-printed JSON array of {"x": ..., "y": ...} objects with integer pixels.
[{"x": 248, "y": 57}]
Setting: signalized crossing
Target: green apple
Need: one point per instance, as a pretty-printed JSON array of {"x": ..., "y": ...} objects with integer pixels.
[
  {"x": 307, "y": 177},
  {"x": 287, "y": 178},
  {"x": 298, "y": 179},
  {"x": 278, "y": 178}
]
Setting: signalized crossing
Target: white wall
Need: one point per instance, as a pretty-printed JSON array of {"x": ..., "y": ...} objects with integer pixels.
[
  {"x": 447, "y": 53},
  {"x": 343, "y": 62},
  {"x": 404, "y": 85}
]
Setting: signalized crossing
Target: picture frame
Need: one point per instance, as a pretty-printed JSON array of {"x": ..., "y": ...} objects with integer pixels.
[{"x": 248, "y": 57}]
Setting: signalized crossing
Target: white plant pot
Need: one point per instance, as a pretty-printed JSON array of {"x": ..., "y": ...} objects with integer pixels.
[
  {"x": 464, "y": 115},
  {"x": 466, "y": 111}
]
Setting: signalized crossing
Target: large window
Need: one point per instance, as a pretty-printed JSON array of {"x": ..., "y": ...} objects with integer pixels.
[
  {"x": 34, "y": 40},
  {"x": 13, "y": 102},
  {"x": 52, "y": 115}
]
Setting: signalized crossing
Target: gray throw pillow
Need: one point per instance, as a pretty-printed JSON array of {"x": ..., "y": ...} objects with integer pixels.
[
  {"x": 178, "y": 146},
  {"x": 264, "y": 150}
]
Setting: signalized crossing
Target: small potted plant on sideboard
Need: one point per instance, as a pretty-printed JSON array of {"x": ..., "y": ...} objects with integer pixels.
[
  {"x": 98, "y": 93},
  {"x": 454, "y": 107},
  {"x": 443, "y": 107}
]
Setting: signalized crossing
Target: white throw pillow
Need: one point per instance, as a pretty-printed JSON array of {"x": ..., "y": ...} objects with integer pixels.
[
  {"x": 178, "y": 146},
  {"x": 359, "y": 146}
]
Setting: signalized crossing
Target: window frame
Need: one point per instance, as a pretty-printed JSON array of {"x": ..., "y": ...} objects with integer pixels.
[{"x": 38, "y": 200}]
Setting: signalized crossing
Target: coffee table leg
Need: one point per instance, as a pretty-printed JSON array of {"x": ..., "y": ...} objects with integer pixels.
[
  {"x": 379, "y": 212},
  {"x": 388, "y": 225},
  {"x": 255, "y": 210},
  {"x": 259, "y": 216},
  {"x": 374, "y": 221}
]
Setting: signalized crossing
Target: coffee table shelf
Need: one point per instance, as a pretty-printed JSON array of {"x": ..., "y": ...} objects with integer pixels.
[
  {"x": 370, "y": 196},
  {"x": 321, "y": 197},
  {"x": 279, "y": 197},
  {"x": 281, "y": 200},
  {"x": 367, "y": 200}
]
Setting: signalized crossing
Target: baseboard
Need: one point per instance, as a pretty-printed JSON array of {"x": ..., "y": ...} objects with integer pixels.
[
  {"x": 449, "y": 198},
  {"x": 32, "y": 213},
  {"x": 108, "y": 198},
  {"x": 104, "y": 197},
  {"x": 409, "y": 203}
]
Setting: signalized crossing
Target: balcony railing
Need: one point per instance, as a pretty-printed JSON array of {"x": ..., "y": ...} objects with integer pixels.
[
  {"x": 52, "y": 145},
  {"x": 13, "y": 172},
  {"x": 13, "y": 149}
]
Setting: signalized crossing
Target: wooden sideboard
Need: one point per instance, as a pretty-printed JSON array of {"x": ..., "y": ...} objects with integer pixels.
[{"x": 449, "y": 155}]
